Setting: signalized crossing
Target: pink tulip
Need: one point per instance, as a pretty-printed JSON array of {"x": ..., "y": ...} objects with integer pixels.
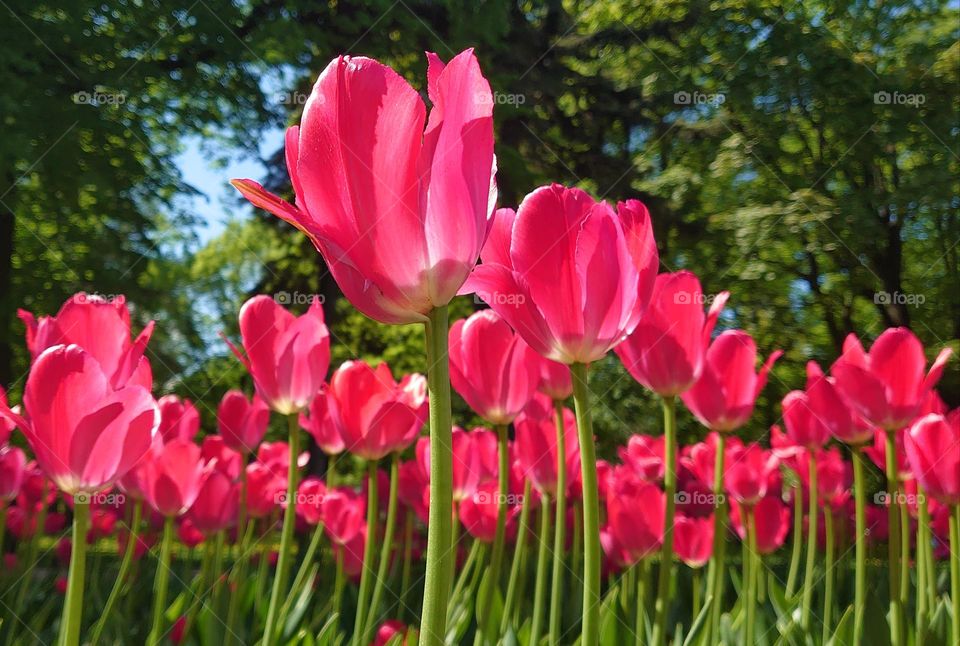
[
  {"x": 700, "y": 458},
  {"x": 536, "y": 447},
  {"x": 492, "y": 367},
  {"x": 189, "y": 534},
  {"x": 693, "y": 539},
  {"x": 748, "y": 473},
  {"x": 877, "y": 453},
  {"x": 310, "y": 496},
  {"x": 265, "y": 487},
  {"x": 555, "y": 380},
  {"x": 375, "y": 414},
  {"x": 645, "y": 455},
  {"x": 413, "y": 488},
  {"x": 398, "y": 213},
  {"x": 666, "y": 351},
  {"x": 13, "y": 464},
  {"x": 805, "y": 428},
  {"x": 570, "y": 275},
  {"x": 635, "y": 511},
  {"x": 286, "y": 355},
  {"x": 344, "y": 512},
  {"x": 933, "y": 449},
  {"x": 887, "y": 386},
  {"x": 724, "y": 395},
  {"x": 172, "y": 477},
  {"x": 474, "y": 460},
  {"x": 773, "y": 520},
  {"x": 216, "y": 505},
  {"x": 101, "y": 327},
  {"x": 178, "y": 418},
  {"x": 319, "y": 422},
  {"x": 6, "y": 425},
  {"x": 85, "y": 433},
  {"x": 276, "y": 457},
  {"x": 478, "y": 513},
  {"x": 387, "y": 631},
  {"x": 829, "y": 407},
  {"x": 215, "y": 452},
  {"x": 242, "y": 423}
]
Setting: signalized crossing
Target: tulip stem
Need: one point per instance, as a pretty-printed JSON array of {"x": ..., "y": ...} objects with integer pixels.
[
  {"x": 697, "y": 576},
  {"x": 118, "y": 584},
  {"x": 666, "y": 549},
  {"x": 160, "y": 581},
  {"x": 590, "y": 626},
  {"x": 301, "y": 577},
  {"x": 860, "y": 576},
  {"x": 386, "y": 549},
  {"x": 466, "y": 573},
  {"x": 716, "y": 573},
  {"x": 540, "y": 588},
  {"x": 955, "y": 570},
  {"x": 927, "y": 553},
  {"x": 338, "y": 582},
  {"x": 440, "y": 558},
  {"x": 518, "y": 555},
  {"x": 238, "y": 576},
  {"x": 286, "y": 535},
  {"x": 808, "y": 574},
  {"x": 640, "y": 616},
  {"x": 893, "y": 540},
  {"x": 828, "y": 573},
  {"x": 73, "y": 603},
  {"x": 363, "y": 596},
  {"x": 750, "y": 572},
  {"x": 407, "y": 562},
  {"x": 496, "y": 556},
  {"x": 560, "y": 525},
  {"x": 331, "y": 474},
  {"x": 797, "y": 541}
]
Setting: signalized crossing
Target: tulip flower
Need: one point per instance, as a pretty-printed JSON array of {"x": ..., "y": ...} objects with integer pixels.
[
  {"x": 189, "y": 534},
  {"x": 215, "y": 452},
  {"x": 644, "y": 454},
  {"x": 343, "y": 512},
  {"x": 748, "y": 473},
  {"x": 572, "y": 276},
  {"x": 215, "y": 507},
  {"x": 555, "y": 381},
  {"x": 933, "y": 449},
  {"x": 375, "y": 414},
  {"x": 264, "y": 489},
  {"x": 387, "y": 631},
  {"x": 667, "y": 350},
  {"x": 693, "y": 540},
  {"x": 241, "y": 422},
  {"x": 804, "y": 427},
  {"x": 6, "y": 425},
  {"x": 13, "y": 464},
  {"x": 635, "y": 512},
  {"x": 772, "y": 519},
  {"x": 479, "y": 512},
  {"x": 101, "y": 327},
  {"x": 179, "y": 418},
  {"x": 474, "y": 460},
  {"x": 320, "y": 423},
  {"x": 537, "y": 449}
]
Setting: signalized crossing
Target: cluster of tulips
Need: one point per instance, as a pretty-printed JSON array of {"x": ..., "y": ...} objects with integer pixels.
[{"x": 404, "y": 215}]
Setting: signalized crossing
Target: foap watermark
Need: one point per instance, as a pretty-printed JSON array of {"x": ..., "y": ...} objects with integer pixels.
[
  {"x": 497, "y": 498},
  {"x": 101, "y": 498},
  {"x": 914, "y": 100},
  {"x": 299, "y": 498},
  {"x": 899, "y": 298},
  {"x": 696, "y": 97},
  {"x": 500, "y": 98},
  {"x": 690, "y": 298},
  {"x": 86, "y": 298},
  {"x": 898, "y": 498},
  {"x": 298, "y": 298},
  {"x": 295, "y": 98},
  {"x": 499, "y": 298},
  {"x": 98, "y": 98},
  {"x": 699, "y": 498}
]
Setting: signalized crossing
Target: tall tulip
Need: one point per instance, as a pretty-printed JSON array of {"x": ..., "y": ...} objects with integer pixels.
[
  {"x": 572, "y": 276},
  {"x": 399, "y": 214},
  {"x": 319, "y": 422},
  {"x": 215, "y": 507},
  {"x": 242, "y": 422},
  {"x": 887, "y": 386},
  {"x": 179, "y": 418}
]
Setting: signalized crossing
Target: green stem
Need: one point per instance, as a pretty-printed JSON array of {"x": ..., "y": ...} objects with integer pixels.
[
  {"x": 808, "y": 575},
  {"x": 716, "y": 575},
  {"x": 927, "y": 554},
  {"x": 560, "y": 525},
  {"x": 590, "y": 626},
  {"x": 338, "y": 583},
  {"x": 407, "y": 562},
  {"x": 828, "y": 574},
  {"x": 923, "y": 528},
  {"x": 750, "y": 573},
  {"x": 386, "y": 549},
  {"x": 893, "y": 541},
  {"x": 955, "y": 570},
  {"x": 118, "y": 584},
  {"x": 518, "y": 556},
  {"x": 303, "y": 571},
  {"x": 904, "y": 555},
  {"x": 363, "y": 598},
  {"x": 73, "y": 603},
  {"x": 238, "y": 577},
  {"x": 29, "y": 559},
  {"x": 639, "y": 628},
  {"x": 797, "y": 542},
  {"x": 279, "y": 591},
  {"x": 160, "y": 582},
  {"x": 496, "y": 557},
  {"x": 540, "y": 588},
  {"x": 666, "y": 549},
  {"x": 331, "y": 476},
  {"x": 576, "y": 558},
  {"x": 440, "y": 559},
  {"x": 860, "y": 576},
  {"x": 218, "y": 574},
  {"x": 466, "y": 574},
  {"x": 262, "y": 565},
  {"x": 697, "y": 576}
]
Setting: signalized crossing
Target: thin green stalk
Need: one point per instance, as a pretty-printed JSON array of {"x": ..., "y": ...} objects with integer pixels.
[
  {"x": 121, "y": 579},
  {"x": 590, "y": 626},
  {"x": 279, "y": 591},
  {"x": 440, "y": 559},
  {"x": 363, "y": 598},
  {"x": 29, "y": 559},
  {"x": 639, "y": 629},
  {"x": 160, "y": 582},
  {"x": 303, "y": 571},
  {"x": 238, "y": 577},
  {"x": 387, "y": 548},
  {"x": 904, "y": 556},
  {"x": 576, "y": 558},
  {"x": 560, "y": 525},
  {"x": 716, "y": 573},
  {"x": 338, "y": 583},
  {"x": 927, "y": 554},
  {"x": 466, "y": 573},
  {"x": 496, "y": 557},
  {"x": 923, "y": 528},
  {"x": 697, "y": 576},
  {"x": 407, "y": 562},
  {"x": 262, "y": 565},
  {"x": 955, "y": 570},
  {"x": 331, "y": 475},
  {"x": 73, "y": 603},
  {"x": 218, "y": 574},
  {"x": 666, "y": 549},
  {"x": 860, "y": 576},
  {"x": 828, "y": 574},
  {"x": 540, "y": 588},
  {"x": 206, "y": 568},
  {"x": 750, "y": 574},
  {"x": 518, "y": 556},
  {"x": 808, "y": 575},
  {"x": 797, "y": 542},
  {"x": 893, "y": 541}
]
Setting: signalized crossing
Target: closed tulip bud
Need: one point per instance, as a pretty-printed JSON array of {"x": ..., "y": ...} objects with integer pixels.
[
  {"x": 635, "y": 511},
  {"x": 772, "y": 519},
  {"x": 748, "y": 473},
  {"x": 537, "y": 451},
  {"x": 805, "y": 428},
  {"x": 933, "y": 448},
  {"x": 693, "y": 539},
  {"x": 310, "y": 495},
  {"x": 265, "y": 487},
  {"x": 242, "y": 422},
  {"x": 644, "y": 454},
  {"x": 217, "y": 454},
  {"x": 555, "y": 380},
  {"x": 319, "y": 422},
  {"x": 344, "y": 512},
  {"x": 13, "y": 464},
  {"x": 478, "y": 513},
  {"x": 179, "y": 418},
  {"x": 173, "y": 476},
  {"x": 216, "y": 504}
]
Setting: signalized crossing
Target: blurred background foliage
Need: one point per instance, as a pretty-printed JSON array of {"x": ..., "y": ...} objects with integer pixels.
[{"x": 803, "y": 155}]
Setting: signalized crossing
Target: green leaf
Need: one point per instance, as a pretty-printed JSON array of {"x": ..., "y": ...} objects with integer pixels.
[
  {"x": 701, "y": 620},
  {"x": 843, "y": 635}
]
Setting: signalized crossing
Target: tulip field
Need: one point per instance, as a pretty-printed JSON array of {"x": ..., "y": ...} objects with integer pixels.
[{"x": 337, "y": 503}]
